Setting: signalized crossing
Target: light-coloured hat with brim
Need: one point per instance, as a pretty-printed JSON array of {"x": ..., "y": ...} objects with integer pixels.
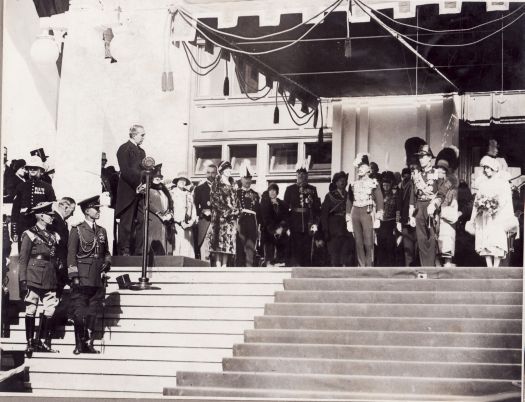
[
  {"x": 35, "y": 161},
  {"x": 42, "y": 208},
  {"x": 181, "y": 176}
]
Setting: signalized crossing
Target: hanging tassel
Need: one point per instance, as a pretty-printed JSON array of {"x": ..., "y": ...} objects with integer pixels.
[
  {"x": 164, "y": 82},
  {"x": 320, "y": 135},
  {"x": 304, "y": 108},
  {"x": 170, "y": 86},
  {"x": 316, "y": 116},
  {"x": 276, "y": 110},
  {"x": 226, "y": 86},
  {"x": 348, "y": 48},
  {"x": 291, "y": 99},
  {"x": 276, "y": 115}
]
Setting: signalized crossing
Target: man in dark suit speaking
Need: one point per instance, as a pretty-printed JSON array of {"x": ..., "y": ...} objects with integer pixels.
[{"x": 128, "y": 208}]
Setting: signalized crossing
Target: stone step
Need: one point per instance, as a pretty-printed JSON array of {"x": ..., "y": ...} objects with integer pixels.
[
  {"x": 226, "y": 289},
  {"x": 387, "y": 272},
  {"x": 417, "y": 324},
  {"x": 105, "y": 366},
  {"x": 401, "y": 297},
  {"x": 373, "y": 352},
  {"x": 209, "y": 394},
  {"x": 394, "y": 368},
  {"x": 171, "y": 300},
  {"x": 148, "y": 382},
  {"x": 145, "y": 326},
  {"x": 134, "y": 339},
  {"x": 130, "y": 353},
  {"x": 382, "y": 338},
  {"x": 394, "y": 310},
  {"x": 175, "y": 276},
  {"x": 176, "y": 313},
  {"x": 346, "y": 383},
  {"x": 421, "y": 285}
]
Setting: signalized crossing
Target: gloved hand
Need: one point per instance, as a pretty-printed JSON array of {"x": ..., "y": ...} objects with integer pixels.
[
  {"x": 412, "y": 221},
  {"x": 23, "y": 288},
  {"x": 106, "y": 267},
  {"x": 431, "y": 209},
  {"x": 399, "y": 227},
  {"x": 75, "y": 283}
]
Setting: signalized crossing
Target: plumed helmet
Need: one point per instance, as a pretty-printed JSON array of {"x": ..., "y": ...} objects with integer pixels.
[{"x": 448, "y": 158}]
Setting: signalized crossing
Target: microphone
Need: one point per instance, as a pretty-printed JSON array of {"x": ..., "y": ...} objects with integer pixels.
[{"x": 148, "y": 163}]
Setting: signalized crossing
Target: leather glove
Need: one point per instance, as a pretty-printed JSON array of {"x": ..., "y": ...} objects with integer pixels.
[
  {"x": 106, "y": 266},
  {"x": 23, "y": 288}
]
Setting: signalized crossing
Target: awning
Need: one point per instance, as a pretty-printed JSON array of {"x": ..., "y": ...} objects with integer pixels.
[{"x": 379, "y": 64}]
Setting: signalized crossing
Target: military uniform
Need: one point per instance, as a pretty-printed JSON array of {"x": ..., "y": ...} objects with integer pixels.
[
  {"x": 249, "y": 205},
  {"x": 304, "y": 206},
  {"x": 28, "y": 195},
  {"x": 88, "y": 258},
  {"x": 38, "y": 275},
  {"x": 425, "y": 191}
]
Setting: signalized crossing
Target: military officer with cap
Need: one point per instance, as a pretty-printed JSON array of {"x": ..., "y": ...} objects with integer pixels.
[
  {"x": 28, "y": 195},
  {"x": 247, "y": 234},
  {"x": 305, "y": 206},
  {"x": 38, "y": 279},
  {"x": 88, "y": 261}
]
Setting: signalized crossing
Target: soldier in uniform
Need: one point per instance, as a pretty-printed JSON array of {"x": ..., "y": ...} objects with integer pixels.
[
  {"x": 38, "y": 279},
  {"x": 425, "y": 200},
  {"x": 305, "y": 206},
  {"x": 333, "y": 222},
  {"x": 88, "y": 261},
  {"x": 249, "y": 205},
  {"x": 28, "y": 195}
]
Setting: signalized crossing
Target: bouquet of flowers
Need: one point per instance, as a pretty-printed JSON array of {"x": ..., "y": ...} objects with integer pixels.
[{"x": 486, "y": 204}]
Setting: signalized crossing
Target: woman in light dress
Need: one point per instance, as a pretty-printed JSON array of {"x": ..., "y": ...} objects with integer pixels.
[
  {"x": 491, "y": 224},
  {"x": 184, "y": 215}
]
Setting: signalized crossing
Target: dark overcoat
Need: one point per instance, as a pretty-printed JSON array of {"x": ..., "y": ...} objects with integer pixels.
[{"x": 129, "y": 157}]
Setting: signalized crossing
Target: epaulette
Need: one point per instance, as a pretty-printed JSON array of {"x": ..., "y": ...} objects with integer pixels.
[{"x": 29, "y": 233}]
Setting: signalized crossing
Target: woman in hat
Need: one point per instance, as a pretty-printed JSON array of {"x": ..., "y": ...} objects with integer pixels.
[
  {"x": 386, "y": 239},
  {"x": 274, "y": 232},
  {"x": 492, "y": 214},
  {"x": 446, "y": 164},
  {"x": 333, "y": 222},
  {"x": 224, "y": 214},
  {"x": 364, "y": 207},
  {"x": 160, "y": 218},
  {"x": 184, "y": 215},
  {"x": 13, "y": 176}
]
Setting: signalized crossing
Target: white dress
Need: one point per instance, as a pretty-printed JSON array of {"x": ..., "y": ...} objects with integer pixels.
[
  {"x": 185, "y": 216},
  {"x": 491, "y": 230}
]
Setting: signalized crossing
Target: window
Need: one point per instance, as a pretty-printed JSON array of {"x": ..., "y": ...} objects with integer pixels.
[
  {"x": 243, "y": 155},
  {"x": 205, "y": 156},
  {"x": 283, "y": 157},
  {"x": 319, "y": 156}
]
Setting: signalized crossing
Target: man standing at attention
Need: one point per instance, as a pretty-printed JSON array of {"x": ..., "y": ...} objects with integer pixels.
[
  {"x": 305, "y": 208},
  {"x": 128, "y": 208},
  {"x": 202, "y": 204}
]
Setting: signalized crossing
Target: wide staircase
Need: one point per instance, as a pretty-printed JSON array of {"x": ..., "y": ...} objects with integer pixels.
[
  {"x": 377, "y": 334},
  {"x": 189, "y": 320}
]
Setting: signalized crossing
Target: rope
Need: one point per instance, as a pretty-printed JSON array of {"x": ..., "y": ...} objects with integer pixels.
[{"x": 444, "y": 30}]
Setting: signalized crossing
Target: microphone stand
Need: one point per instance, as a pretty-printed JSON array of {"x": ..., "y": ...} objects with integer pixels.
[{"x": 144, "y": 280}]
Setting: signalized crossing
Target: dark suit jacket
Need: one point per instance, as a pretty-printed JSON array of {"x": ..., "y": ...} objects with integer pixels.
[
  {"x": 59, "y": 226},
  {"x": 129, "y": 158},
  {"x": 201, "y": 196}
]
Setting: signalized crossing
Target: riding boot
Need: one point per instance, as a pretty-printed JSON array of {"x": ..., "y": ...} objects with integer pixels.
[
  {"x": 44, "y": 332},
  {"x": 90, "y": 330},
  {"x": 30, "y": 330},
  {"x": 79, "y": 333}
]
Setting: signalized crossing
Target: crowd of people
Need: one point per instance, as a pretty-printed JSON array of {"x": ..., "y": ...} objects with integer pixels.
[{"x": 422, "y": 216}]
